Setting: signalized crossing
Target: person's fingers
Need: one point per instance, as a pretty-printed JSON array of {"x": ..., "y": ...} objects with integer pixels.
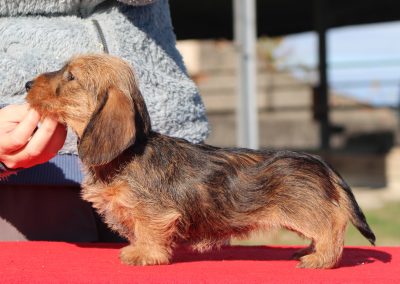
[
  {"x": 36, "y": 149},
  {"x": 41, "y": 138},
  {"x": 54, "y": 145},
  {"x": 17, "y": 138},
  {"x": 15, "y": 113},
  {"x": 56, "y": 142}
]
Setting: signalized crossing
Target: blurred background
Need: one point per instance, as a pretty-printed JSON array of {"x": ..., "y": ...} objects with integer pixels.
[{"x": 320, "y": 76}]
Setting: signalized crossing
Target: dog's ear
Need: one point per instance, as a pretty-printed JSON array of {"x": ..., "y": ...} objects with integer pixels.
[{"x": 111, "y": 129}]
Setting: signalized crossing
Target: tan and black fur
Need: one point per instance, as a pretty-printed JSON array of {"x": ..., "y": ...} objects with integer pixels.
[{"x": 158, "y": 191}]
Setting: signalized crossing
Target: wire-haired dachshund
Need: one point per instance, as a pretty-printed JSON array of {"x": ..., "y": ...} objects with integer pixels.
[{"x": 158, "y": 191}]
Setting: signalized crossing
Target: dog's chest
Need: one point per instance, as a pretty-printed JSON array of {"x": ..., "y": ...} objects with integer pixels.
[
  {"x": 114, "y": 203},
  {"x": 100, "y": 196}
]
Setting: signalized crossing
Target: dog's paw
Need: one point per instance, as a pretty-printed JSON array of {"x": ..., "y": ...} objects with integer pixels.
[
  {"x": 133, "y": 255},
  {"x": 315, "y": 261}
]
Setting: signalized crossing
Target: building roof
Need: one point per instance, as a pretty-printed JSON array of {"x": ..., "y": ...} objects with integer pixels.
[{"x": 213, "y": 18}]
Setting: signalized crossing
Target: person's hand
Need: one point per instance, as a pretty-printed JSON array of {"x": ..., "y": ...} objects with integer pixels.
[{"x": 22, "y": 143}]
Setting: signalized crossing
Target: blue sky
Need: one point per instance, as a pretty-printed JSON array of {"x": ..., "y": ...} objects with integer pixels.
[{"x": 364, "y": 61}]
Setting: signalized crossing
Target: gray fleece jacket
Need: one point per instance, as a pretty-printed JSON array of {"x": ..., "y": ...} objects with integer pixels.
[{"x": 40, "y": 35}]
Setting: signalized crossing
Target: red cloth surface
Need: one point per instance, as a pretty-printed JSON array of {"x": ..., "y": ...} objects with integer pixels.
[{"x": 57, "y": 262}]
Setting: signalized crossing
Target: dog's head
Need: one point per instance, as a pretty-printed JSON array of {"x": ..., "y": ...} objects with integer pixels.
[{"x": 98, "y": 97}]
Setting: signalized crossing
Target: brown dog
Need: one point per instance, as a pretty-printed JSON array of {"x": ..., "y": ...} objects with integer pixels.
[{"x": 157, "y": 190}]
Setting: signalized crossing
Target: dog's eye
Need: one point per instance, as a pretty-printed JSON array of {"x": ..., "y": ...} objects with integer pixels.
[{"x": 70, "y": 76}]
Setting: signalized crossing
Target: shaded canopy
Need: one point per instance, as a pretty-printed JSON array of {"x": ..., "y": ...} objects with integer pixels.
[{"x": 214, "y": 18}]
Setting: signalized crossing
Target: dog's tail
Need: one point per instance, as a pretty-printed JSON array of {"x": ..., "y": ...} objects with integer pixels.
[{"x": 356, "y": 215}]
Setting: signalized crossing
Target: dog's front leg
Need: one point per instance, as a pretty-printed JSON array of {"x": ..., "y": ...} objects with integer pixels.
[{"x": 152, "y": 241}]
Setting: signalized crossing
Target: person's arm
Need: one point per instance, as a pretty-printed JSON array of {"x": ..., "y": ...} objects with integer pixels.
[{"x": 22, "y": 143}]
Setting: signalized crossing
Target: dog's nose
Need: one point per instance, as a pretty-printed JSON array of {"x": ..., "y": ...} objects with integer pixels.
[{"x": 28, "y": 85}]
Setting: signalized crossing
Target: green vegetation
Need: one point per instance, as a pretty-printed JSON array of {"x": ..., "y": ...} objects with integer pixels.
[{"x": 385, "y": 222}]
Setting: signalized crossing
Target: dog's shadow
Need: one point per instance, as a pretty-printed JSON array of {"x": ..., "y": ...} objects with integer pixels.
[
  {"x": 361, "y": 256},
  {"x": 351, "y": 256}
]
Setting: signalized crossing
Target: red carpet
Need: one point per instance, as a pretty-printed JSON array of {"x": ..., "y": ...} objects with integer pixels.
[{"x": 52, "y": 262}]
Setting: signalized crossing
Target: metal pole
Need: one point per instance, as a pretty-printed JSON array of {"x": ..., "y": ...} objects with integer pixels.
[
  {"x": 323, "y": 100},
  {"x": 245, "y": 40}
]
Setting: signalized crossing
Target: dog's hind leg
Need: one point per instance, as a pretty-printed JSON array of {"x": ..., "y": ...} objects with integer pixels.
[{"x": 328, "y": 247}]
